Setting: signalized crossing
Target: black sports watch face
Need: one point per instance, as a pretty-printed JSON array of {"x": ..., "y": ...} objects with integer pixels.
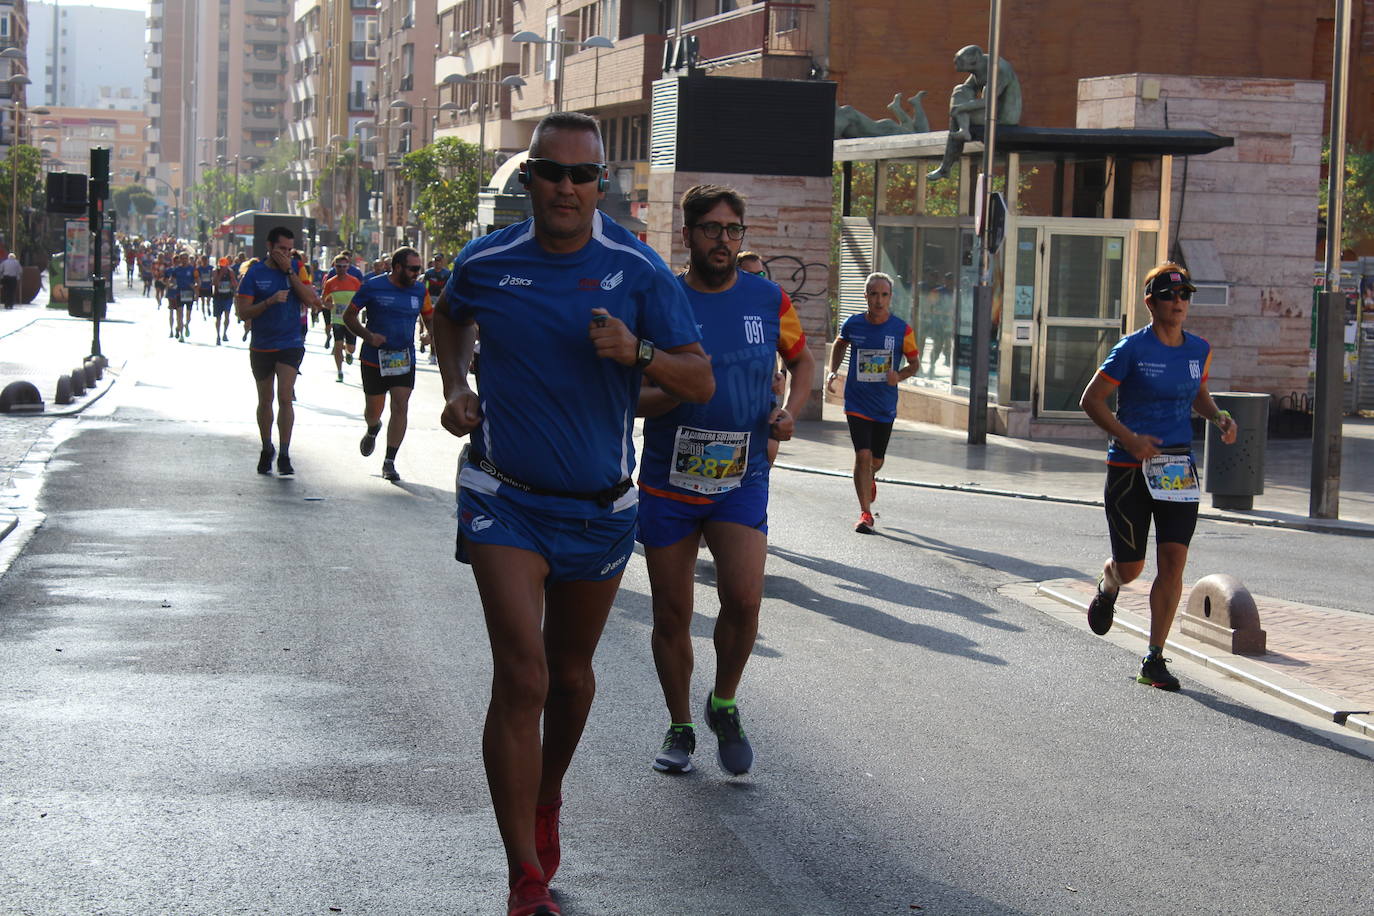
[{"x": 646, "y": 353}]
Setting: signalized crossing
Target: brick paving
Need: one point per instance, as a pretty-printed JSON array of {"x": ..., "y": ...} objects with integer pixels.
[{"x": 1331, "y": 650}]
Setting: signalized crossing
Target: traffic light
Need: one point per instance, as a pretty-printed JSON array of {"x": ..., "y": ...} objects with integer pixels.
[
  {"x": 100, "y": 173},
  {"x": 67, "y": 193}
]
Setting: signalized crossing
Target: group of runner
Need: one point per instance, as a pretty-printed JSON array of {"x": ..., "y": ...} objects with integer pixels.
[{"x": 583, "y": 327}]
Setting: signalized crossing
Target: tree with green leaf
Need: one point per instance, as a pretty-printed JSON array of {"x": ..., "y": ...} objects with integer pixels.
[
  {"x": 446, "y": 176},
  {"x": 132, "y": 202},
  {"x": 21, "y": 169},
  {"x": 1357, "y": 222}
]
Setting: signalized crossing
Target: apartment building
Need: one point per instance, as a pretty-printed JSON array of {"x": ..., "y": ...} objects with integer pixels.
[
  {"x": 333, "y": 67},
  {"x": 216, "y": 86},
  {"x": 407, "y": 109},
  {"x": 14, "y": 73},
  {"x": 66, "y": 137},
  {"x": 63, "y": 41}
]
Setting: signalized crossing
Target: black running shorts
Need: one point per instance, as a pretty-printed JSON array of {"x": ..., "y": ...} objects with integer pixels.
[
  {"x": 264, "y": 362},
  {"x": 1130, "y": 507},
  {"x": 869, "y": 434},
  {"x": 375, "y": 383}
]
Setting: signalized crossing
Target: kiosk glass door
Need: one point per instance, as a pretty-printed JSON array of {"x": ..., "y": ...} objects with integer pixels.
[{"x": 1082, "y": 317}]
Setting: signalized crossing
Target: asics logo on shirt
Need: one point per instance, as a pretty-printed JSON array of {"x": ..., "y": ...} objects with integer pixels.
[
  {"x": 611, "y": 281},
  {"x": 509, "y": 280},
  {"x": 481, "y": 523}
]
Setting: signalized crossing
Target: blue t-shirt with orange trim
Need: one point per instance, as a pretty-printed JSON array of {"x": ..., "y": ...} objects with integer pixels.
[
  {"x": 873, "y": 350},
  {"x": 555, "y": 415},
  {"x": 391, "y": 311},
  {"x": 744, "y": 328},
  {"x": 1156, "y": 386}
]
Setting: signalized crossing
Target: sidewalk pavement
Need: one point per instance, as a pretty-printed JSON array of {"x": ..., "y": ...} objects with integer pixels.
[{"x": 1320, "y": 659}]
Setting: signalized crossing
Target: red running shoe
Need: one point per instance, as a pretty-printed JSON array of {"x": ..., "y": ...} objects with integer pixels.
[
  {"x": 529, "y": 896},
  {"x": 865, "y": 525},
  {"x": 546, "y": 837}
]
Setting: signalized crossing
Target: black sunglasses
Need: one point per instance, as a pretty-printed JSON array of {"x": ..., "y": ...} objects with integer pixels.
[
  {"x": 553, "y": 171},
  {"x": 412, "y": 268},
  {"x": 1167, "y": 295}
]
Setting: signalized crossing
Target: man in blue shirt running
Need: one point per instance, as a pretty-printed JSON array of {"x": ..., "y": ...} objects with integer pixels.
[
  {"x": 705, "y": 473},
  {"x": 573, "y": 310},
  {"x": 880, "y": 342},
  {"x": 393, "y": 302},
  {"x": 270, "y": 296}
]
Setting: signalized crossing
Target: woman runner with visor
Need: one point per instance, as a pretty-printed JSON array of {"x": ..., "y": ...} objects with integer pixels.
[{"x": 1159, "y": 374}]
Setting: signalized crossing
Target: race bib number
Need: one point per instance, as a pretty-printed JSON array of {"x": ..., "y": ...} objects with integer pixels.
[
  {"x": 224, "y": 288},
  {"x": 874, "y": 365},
  {"x": 393, "y": 362},
  {"x": 341, "y": 300},
  {"x": 708, "y": 461},
  {"x": 1172, "y": 478}
]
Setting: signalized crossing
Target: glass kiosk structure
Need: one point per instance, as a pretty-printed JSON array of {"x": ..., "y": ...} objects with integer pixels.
[{"x": 1088, "y": 214}]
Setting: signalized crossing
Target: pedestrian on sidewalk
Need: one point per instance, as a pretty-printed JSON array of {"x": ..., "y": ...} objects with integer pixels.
[
  {"x": 546, "y": 503},
  {"x": 881, "y": 341},
  {"x": 1159, "y": 375},
  {"x": 10, "y": 272}
]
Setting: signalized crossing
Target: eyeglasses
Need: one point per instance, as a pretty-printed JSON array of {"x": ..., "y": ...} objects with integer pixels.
[
  {"x": 1167, "y": 295},
  {"x": 757, "y": 273},
  {"x": 412, "y": 268},
  {"x": 553, "y": 171},
  {"x": 713, "y": 230}
]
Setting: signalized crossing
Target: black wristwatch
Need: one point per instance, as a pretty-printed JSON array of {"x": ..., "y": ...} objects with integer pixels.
[{"x": 646, "y": 353}]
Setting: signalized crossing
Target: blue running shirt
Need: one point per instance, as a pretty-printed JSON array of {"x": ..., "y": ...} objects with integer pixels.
[
  {"x": 278, "y": 328},
  {"x": 1156, "y": 385},
  {"x": 391, "y": 312},
  {"x": 556, "y": 415},
  {"x": 184, "y": 280},
  {"x": 873, "y": 350},
  {"x": 700, "y": 452}
]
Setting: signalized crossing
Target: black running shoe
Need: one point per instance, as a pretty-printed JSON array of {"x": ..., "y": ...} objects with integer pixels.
[
  {"x": 735, "y": 753},
  {"x": 1154, "y": 673},
  {"x": 368, "y": 442},
  {"x": 389, "y": 470},
  {"x": 284, "y": 468},
  {"x": 676, "y": 754},
  {"x": 1100, "y": 611},
  {"x": 265, "y": 459}
]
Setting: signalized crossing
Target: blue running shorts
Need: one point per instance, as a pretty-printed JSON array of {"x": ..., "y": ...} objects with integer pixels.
[
  {"x": 576, "y": 549},
  {"x": 664, "y": 520}
]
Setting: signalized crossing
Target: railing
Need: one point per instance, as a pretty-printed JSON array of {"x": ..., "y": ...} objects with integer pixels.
[{"x": 762, "y": 29}]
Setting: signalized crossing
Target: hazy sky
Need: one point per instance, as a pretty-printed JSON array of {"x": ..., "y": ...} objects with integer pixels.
[{"x": 116, "y": 4}]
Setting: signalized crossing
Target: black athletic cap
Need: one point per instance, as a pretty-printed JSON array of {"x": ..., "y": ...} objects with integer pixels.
[{"x": 1166, "y": 280}]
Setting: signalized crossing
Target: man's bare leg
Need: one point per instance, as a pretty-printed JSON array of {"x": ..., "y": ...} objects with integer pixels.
[{"x": 739, "y": 554}]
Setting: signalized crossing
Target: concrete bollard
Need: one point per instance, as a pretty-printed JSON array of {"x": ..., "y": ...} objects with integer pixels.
[
  {"x": 78, "y": 380},
  {"x": 20, "y": 396},
  {"x": 64, "y": 390},
  {"x": 90, "y": 372},
  {"x": 96, "y": 368},
  {"x": 1222, "y": 612}
]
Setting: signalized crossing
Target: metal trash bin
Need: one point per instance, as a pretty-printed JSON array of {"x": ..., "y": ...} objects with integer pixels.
[{"x": 1234, "y": 474}]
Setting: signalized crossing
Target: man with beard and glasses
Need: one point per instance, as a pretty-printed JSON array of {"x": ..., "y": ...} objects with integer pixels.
[
  {"x": 393, "y": 302},
  {"x": 705, "y": 473},
  {"x": 573, "y": 311}
]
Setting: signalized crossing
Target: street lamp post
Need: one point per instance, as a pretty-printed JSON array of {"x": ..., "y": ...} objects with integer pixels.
[{"x": 561, "y": 44}]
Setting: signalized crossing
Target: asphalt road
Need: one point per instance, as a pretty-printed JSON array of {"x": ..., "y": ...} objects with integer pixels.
[{"x": 225, "y": 693}]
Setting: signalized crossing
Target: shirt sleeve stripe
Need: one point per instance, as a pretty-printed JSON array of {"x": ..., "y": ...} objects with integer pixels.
[
  {"x": 791, "y": 337},
  {"x": 909, "y": 348},
  {"x": 1104, "y": 375}
]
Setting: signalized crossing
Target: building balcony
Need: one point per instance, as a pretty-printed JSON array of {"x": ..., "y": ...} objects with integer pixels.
[
  {"x": 598, "y": 78},
  {"x": 152, "y": 59},
  {"x": 254, "y": 93},
  {"x": 264, "y": 7},
  {"x": 262, "y": 122},
  {"x": 257, "y": 35},
  {"x": 152, "y": 85},
  {"x": 755, "y": 32},
  {"x": 152, "y": 35},
  {"x": 254, "y": 64}
]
